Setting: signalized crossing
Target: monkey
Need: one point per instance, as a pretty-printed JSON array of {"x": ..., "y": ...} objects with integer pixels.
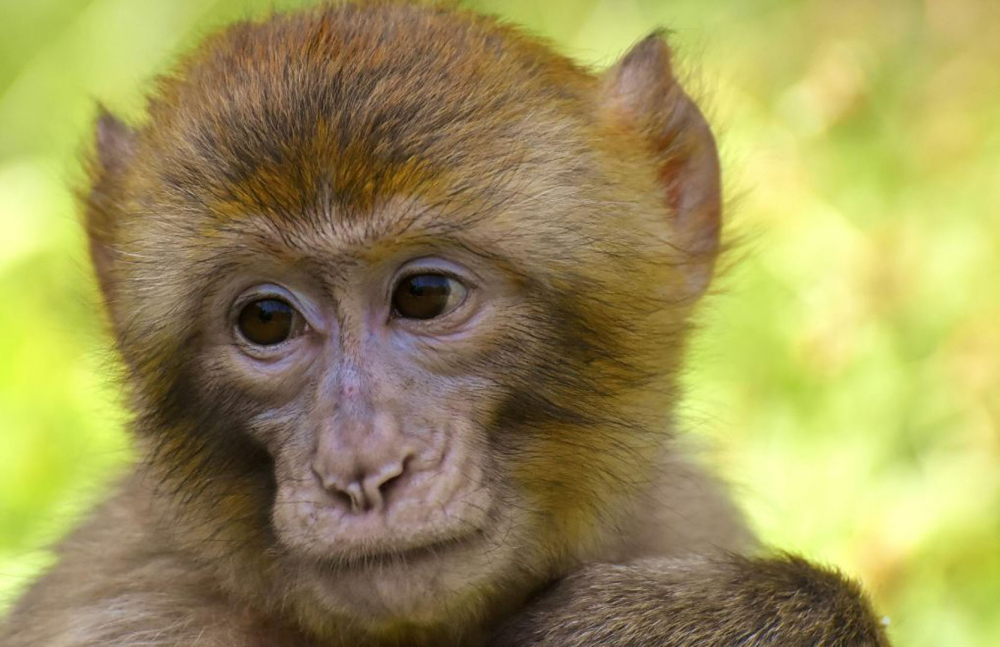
[{"x": 401, "y": 296}]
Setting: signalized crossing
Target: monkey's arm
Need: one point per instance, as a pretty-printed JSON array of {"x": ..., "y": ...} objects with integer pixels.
[{"x": 751, "y": 602}]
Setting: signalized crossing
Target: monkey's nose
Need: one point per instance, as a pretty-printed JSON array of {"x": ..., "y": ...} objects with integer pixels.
[{"x": 361, "y": 487}]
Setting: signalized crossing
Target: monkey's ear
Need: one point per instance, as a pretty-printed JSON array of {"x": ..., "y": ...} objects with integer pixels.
[
  {"x": 640, "y": 92},
  {"x": 114, "y": 141},
  {"x": 114, "y": 146}
]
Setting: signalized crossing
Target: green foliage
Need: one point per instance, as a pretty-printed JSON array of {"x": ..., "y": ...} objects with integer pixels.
[{"x": 848, "y": 372}]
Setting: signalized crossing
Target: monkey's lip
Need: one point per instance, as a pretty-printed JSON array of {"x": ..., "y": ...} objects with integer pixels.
[{"x": 362, "y": 558}]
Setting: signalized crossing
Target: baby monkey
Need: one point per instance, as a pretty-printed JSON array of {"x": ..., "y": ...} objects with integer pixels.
[{"x": 401, "y": 296}]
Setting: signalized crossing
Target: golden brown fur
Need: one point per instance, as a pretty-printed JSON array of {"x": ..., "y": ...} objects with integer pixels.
[{"x": 314, "y": 149}]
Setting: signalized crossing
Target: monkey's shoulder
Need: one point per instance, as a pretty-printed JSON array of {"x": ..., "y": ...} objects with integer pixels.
[
  {"x": 686, "y": 510},
  {"x": 120, "y": 580}
]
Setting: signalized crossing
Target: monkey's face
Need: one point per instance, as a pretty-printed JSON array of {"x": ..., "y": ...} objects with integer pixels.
[
  {"x": 372, "y": 375},
  {"x": 426, "y": 394},
  {"x": 410, "y": 405},
  {"x": 429, "y": 400}
]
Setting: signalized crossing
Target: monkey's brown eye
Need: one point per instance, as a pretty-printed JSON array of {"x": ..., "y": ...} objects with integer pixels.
[
  {"x": 268, "y": 322},
  {"x": 425, "y": 296}
]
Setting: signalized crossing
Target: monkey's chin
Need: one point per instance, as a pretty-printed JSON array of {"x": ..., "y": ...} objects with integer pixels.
[{"x": 422, "y": 586}]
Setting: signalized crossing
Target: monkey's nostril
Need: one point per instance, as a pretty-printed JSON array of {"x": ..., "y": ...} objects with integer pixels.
[
  {"x": 342, "y": 497},
  {"x": 378, "y": 486},
  {"x": 388, "y": 484}
]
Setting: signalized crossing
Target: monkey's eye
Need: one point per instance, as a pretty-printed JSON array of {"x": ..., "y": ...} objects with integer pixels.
[
  {"x": 268, "y": 322},
  {"x": 425, "y": 296}
]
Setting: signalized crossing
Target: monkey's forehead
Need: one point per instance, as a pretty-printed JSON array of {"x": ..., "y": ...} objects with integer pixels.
[{"x": 350, "y": 103}]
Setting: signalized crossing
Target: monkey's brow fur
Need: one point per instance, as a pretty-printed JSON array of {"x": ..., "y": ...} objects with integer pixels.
[
  {"x": 324, "y": 112},
  {"x": 318, "y": 142}
]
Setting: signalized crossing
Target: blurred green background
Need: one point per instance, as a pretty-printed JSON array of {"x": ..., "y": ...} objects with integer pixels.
[{"x": 847, "y": 376}]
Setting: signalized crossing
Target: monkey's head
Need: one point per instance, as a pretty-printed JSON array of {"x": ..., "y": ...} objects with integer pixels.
[{"x": 401, "y": 294}]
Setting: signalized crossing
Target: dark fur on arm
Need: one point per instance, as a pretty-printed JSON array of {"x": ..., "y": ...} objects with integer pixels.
[{"x": 750, "y": 602}]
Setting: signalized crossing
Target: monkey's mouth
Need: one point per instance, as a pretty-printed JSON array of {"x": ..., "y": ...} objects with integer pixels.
[
  {"x": 408, "y": 584},
  {"x": 381, "y": 558},
  {"x": 409, "y": 541}
]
